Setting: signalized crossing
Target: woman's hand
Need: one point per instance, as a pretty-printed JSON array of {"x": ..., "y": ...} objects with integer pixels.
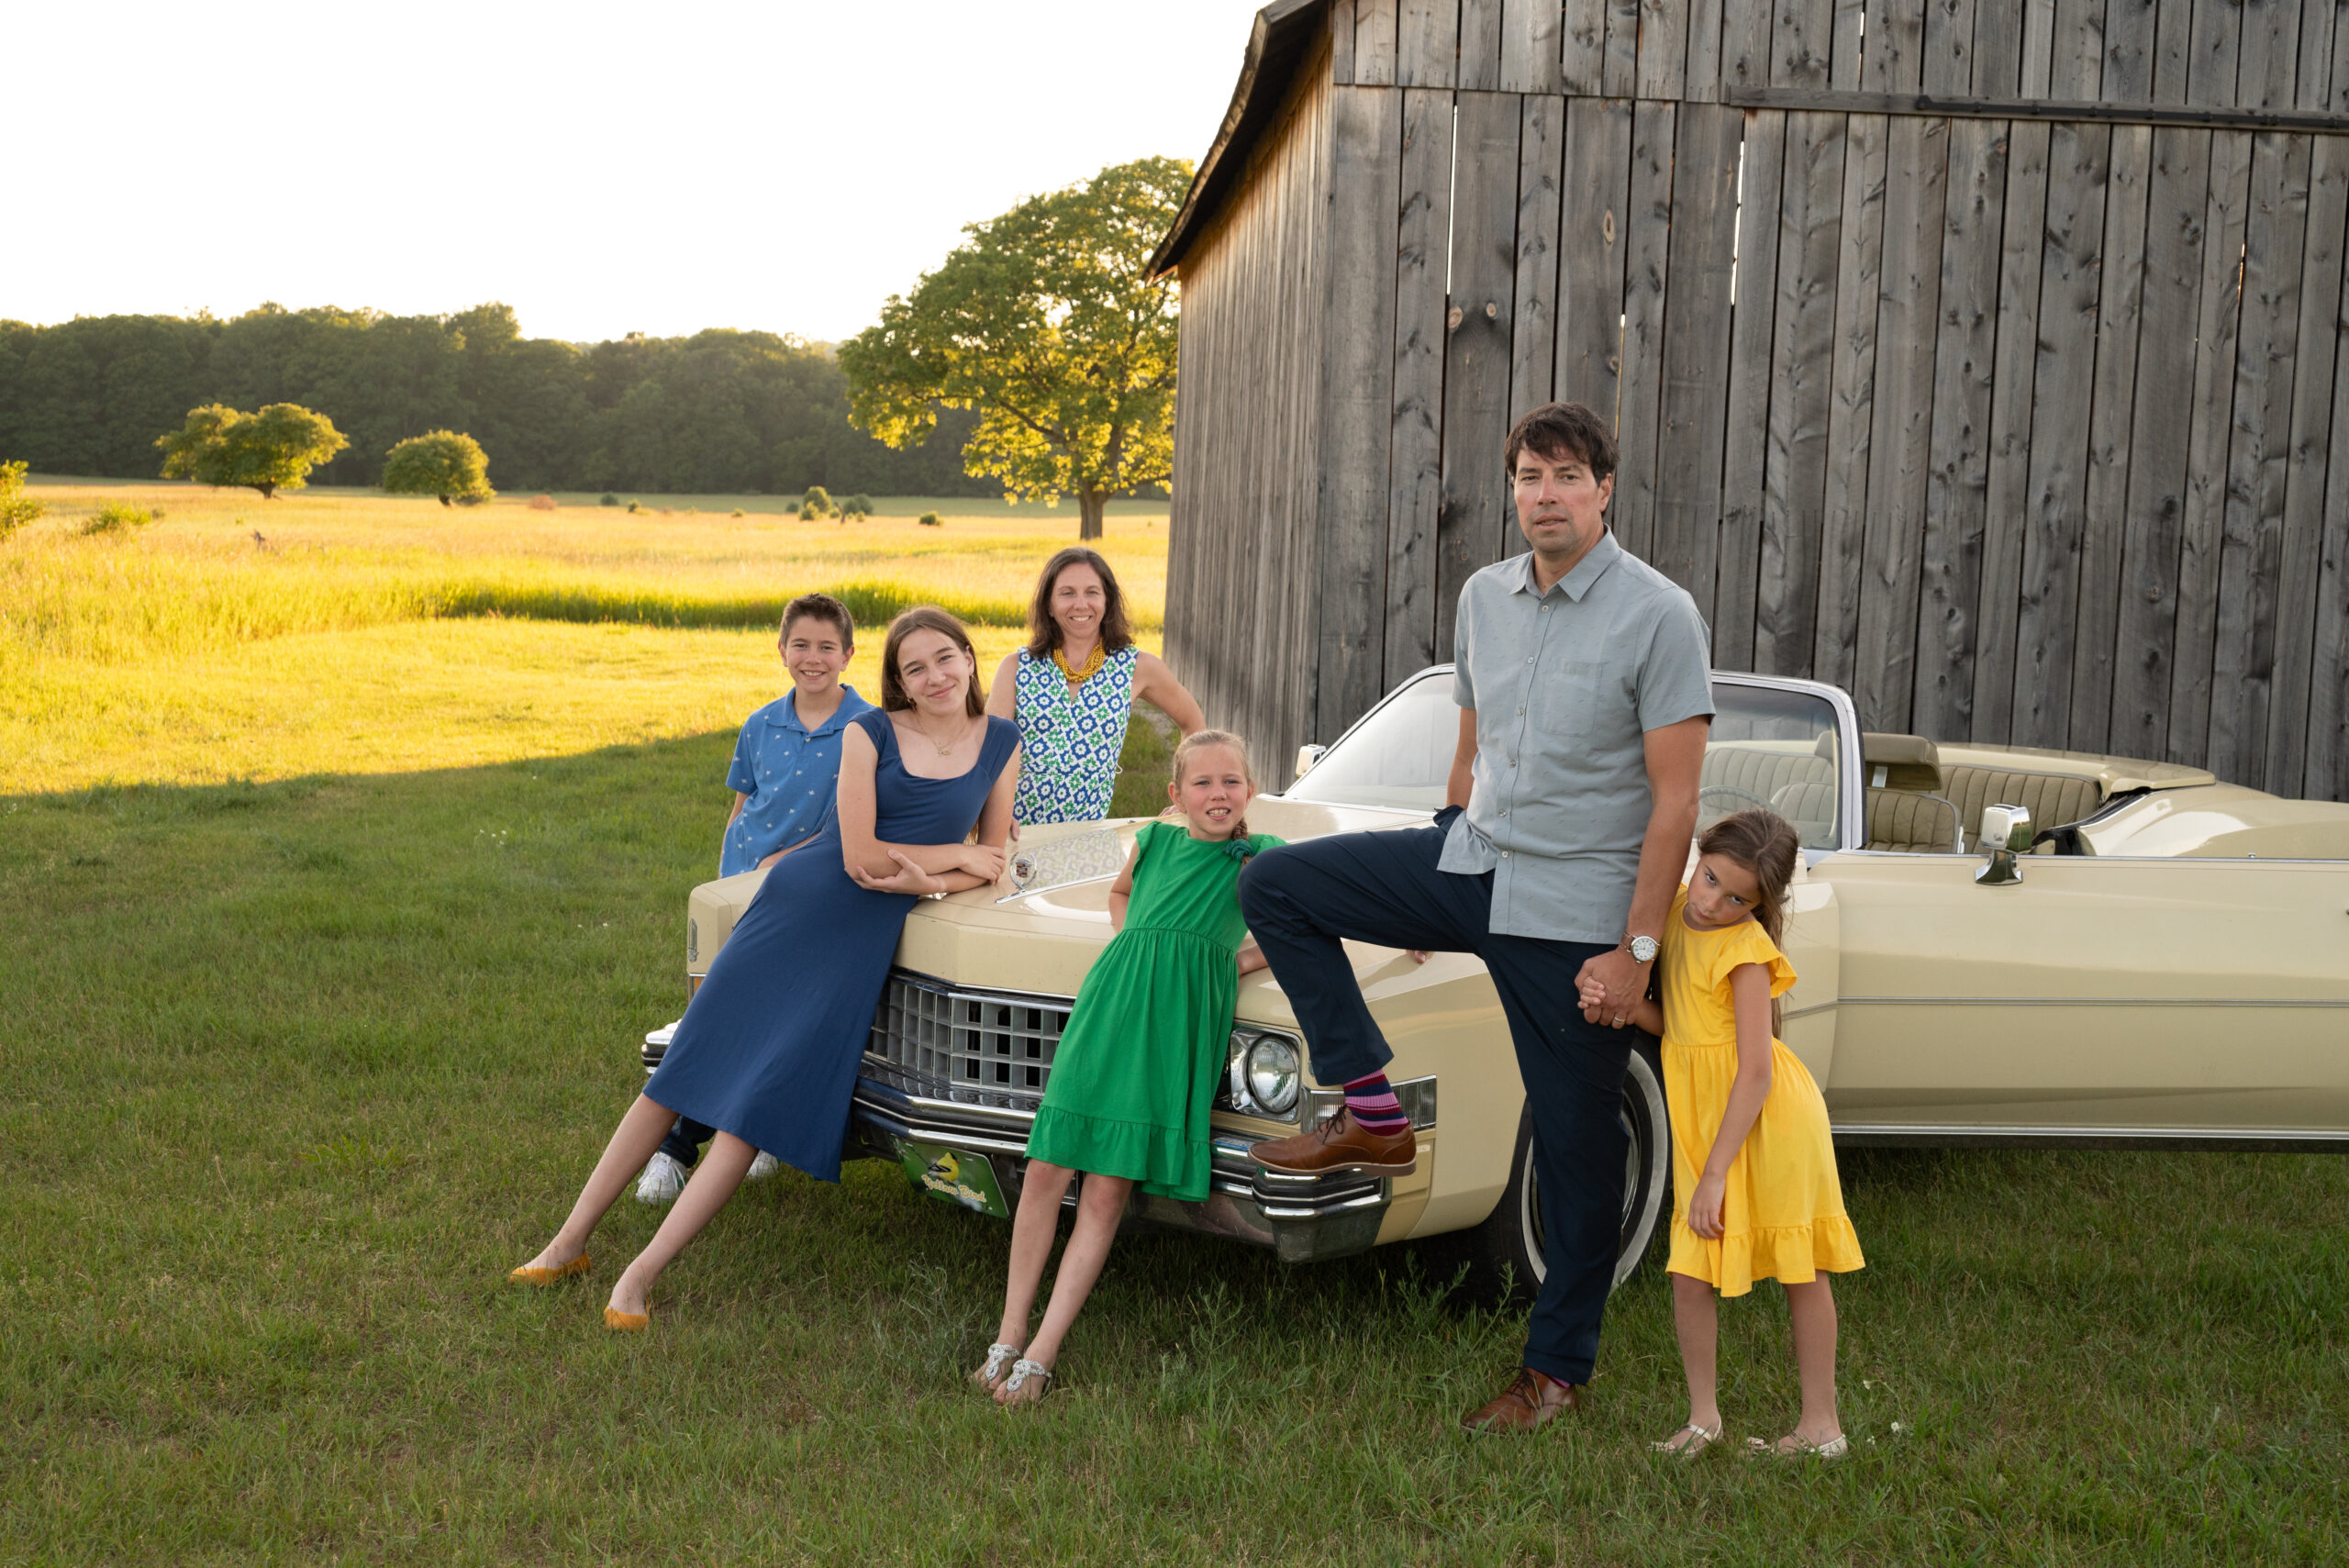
[
  {"x": 985, "y": 862},
  {"x": 907, "y": 878},
  {"x": 1251, "y": 958},
  {"x": 1705, "y": 1205}
]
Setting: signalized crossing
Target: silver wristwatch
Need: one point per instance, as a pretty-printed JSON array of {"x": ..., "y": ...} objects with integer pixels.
[{"x": 1644, "y": 949}]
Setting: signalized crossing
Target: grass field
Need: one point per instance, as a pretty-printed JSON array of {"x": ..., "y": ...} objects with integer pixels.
[
  {"x": 364, "y": 632},
  {"x": 313, "y": 1030}
]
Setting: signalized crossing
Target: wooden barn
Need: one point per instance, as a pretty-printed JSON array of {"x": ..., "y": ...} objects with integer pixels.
[{"x": 1977, "y": 355}]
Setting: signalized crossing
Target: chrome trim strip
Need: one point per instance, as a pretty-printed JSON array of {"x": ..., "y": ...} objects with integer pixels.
[
  {"x": 2082, "y": 1002},
  {"x": 1806, "y": 1012},
  {"x": 1962, "y": 1135}
]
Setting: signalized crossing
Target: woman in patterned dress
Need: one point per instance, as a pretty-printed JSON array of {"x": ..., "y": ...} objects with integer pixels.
[{"x": 1071, "y": 689}]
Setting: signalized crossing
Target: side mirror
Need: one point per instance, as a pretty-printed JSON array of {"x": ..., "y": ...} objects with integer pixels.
[
  {"x": 1306, "y": 756},
  {"x": 2005, "y": 832}
]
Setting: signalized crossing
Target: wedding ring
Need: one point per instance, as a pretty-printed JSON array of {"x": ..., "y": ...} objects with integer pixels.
[{"x": 1618, "y": 1020}]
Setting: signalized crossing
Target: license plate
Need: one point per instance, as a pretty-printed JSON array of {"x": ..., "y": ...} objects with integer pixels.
[{"x": 953, "y": 1175}]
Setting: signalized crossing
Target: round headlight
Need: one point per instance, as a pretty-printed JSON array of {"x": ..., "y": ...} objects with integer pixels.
[
  {"x": 1273, "y": 1074},
  {"x": 1235, "y": 1073}
]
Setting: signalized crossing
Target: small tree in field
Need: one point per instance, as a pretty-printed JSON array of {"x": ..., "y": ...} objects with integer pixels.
[
  {"x": 856, "y": 506},
  {"x": 441, "y": 463},
  {"x": 16, "y": 510},
  {"x": 816, "y": 503},
  {"x": 272, "y": 451}
]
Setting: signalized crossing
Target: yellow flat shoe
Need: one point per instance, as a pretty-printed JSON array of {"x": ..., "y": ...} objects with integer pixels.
[
  {"x": 626, "y": 1322},
  {"x": 577, "y": 1265}
]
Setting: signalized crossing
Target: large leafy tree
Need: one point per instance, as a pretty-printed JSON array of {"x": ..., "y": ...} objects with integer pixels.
[
  {"x": 1044, "y": 323},
  {"x": 442, "y": 464},
  {"x": 271, "y": 451}
]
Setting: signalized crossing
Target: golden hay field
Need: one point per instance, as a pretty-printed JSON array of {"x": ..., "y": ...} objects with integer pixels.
[{"x": 364, "y": 633}]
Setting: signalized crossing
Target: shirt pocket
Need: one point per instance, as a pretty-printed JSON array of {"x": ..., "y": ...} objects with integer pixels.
[{"x": 1565, "y": 701}]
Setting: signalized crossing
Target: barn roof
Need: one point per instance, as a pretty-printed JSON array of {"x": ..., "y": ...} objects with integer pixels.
[{"x": 1277, "y": 44}]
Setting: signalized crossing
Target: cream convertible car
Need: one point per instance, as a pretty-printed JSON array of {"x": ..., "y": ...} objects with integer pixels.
[{"x": 1995, "y": 944}]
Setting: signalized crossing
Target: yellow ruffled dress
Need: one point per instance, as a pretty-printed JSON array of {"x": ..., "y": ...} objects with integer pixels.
[{"x": 1782, "y": 1216}]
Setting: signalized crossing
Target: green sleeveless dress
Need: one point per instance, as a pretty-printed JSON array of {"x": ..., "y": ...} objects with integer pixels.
[{"x": 1133, "y": 1077}]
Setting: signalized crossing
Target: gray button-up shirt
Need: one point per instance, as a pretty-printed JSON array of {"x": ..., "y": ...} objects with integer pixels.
[{"x": 1565, "y": 684}]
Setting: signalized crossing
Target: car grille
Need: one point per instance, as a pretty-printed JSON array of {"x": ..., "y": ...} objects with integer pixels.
[{"x": 966, "y": 1045}]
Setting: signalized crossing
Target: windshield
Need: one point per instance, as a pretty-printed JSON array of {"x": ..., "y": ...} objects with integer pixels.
[
  {"x": 1400, "y": 756},
  {"x": 1768, "y": 746}
]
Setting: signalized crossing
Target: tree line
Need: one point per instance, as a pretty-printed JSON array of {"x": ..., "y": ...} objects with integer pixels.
[{"x": 722, "y": 411}]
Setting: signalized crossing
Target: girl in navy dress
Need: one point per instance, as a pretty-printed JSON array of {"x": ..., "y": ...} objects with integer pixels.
[{"x": 767, "y": 1051}]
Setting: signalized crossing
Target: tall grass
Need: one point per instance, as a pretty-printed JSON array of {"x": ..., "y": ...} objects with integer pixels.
[{"x": 221, "y": 572}]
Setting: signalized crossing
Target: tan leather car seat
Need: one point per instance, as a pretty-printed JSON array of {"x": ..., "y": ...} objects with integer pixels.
[
  {"x": 1908, "y": 823},
  {"x": 2052, "y": 799},
  {"x": 1811, "y": 806},
  {"x": 1749, "y": 775},
  {"x": 1907, "y": 812}
]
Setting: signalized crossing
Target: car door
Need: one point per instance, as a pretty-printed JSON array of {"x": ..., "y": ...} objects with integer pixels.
[{"x": 2098, "y": 996}]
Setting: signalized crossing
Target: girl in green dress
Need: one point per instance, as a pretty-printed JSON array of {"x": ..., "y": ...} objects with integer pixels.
[{"x": 1133, "y": 1077}]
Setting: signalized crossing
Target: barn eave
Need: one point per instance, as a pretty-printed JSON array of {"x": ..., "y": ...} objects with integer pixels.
[{"x": 1280, "y": 41}]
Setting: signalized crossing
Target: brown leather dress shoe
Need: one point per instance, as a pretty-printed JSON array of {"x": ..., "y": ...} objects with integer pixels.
[
  {"x": 1340, "y": 1144},
  {"x": 1527, "y": 1405}
]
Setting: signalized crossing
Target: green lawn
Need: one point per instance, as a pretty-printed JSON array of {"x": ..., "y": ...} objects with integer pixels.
[{"x": 298, "y": 1070}]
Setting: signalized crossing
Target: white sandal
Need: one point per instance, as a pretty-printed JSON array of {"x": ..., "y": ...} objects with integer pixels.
[
  {"x": 1691, "y": 1449},
  {"x": 1835, "y": 1447},
  {"x": 1023, "y": 1372},
  {"x": 999, "y": 1357}
]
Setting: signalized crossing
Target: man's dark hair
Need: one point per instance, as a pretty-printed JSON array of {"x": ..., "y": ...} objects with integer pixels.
[
  {"x": 1563, "y": 430},
  {"x": 823, "y": 606}
]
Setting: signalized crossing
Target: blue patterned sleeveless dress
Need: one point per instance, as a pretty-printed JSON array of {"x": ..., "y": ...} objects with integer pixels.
[
  {"x": 768, "y": 1048},
  {"x": 1069, "y": 740}
]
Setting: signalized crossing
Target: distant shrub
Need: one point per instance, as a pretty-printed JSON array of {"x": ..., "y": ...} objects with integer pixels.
[
  {"x": 856, "y": 506},
  {"x": 635, "y": 506},
  {"x": 542, "y": 503},
  {"x": 609, "y": 500},
  {"x": 737, "y": 511},
  {"x": 16, "y": 509},
  {"x": 117, "y": 517},
  {"x": 930, "y": 520},
  {"x": 817, "y": 503}
]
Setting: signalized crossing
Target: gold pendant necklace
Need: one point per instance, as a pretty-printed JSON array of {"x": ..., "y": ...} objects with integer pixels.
[
  {"x": 1092, "y": 663},
  {"x": 945, "y": 748}
]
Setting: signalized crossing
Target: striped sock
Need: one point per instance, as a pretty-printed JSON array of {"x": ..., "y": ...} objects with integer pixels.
[{"x": 1374, "y": 1105}]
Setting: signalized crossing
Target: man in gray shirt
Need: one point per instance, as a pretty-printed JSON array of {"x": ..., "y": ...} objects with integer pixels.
[{"x": 1582, "y": 679}]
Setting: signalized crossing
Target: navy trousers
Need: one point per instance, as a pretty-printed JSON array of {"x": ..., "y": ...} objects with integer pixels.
[
  {"x": 684, "y": 1140},
  {"x": 1303, "y": 899}
]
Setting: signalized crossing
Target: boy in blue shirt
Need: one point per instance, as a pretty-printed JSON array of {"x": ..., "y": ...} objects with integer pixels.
[{"x": 786, "y": 767}]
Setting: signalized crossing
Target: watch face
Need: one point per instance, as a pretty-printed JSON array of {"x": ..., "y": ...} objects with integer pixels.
[{"x": 1643, "y": 948}]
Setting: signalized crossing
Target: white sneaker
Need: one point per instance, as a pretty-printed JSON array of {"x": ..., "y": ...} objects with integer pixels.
[
  {"x": 762, "y": 1167},
  {"x": 656, "y": 1043},
  {"x": 662, "y": 1180}
]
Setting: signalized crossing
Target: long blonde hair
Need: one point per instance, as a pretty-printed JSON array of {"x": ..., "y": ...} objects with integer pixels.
[{"x": 1199, "y": 741}]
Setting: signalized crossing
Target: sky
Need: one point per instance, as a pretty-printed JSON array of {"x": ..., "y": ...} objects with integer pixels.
[{"x": 604, "y": 169}]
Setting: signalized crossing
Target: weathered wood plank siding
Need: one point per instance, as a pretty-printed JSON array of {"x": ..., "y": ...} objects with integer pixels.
[
  {"x": 1242, "y": 547},
  {"x": 2015, "y": 416}
]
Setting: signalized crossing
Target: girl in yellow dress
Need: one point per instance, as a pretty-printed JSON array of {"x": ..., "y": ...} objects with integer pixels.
[{"x": 1754, "y": 1194}]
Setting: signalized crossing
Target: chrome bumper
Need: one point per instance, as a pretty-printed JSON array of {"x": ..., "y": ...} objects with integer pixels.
[{"x": 1300, "y": 1218}]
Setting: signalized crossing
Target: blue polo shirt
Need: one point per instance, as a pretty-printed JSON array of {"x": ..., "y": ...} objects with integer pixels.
[{"x": 790, "y": 773}]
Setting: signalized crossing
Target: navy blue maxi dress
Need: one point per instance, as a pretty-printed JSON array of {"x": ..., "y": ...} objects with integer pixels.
[{"x": 768, "y": 1048}]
